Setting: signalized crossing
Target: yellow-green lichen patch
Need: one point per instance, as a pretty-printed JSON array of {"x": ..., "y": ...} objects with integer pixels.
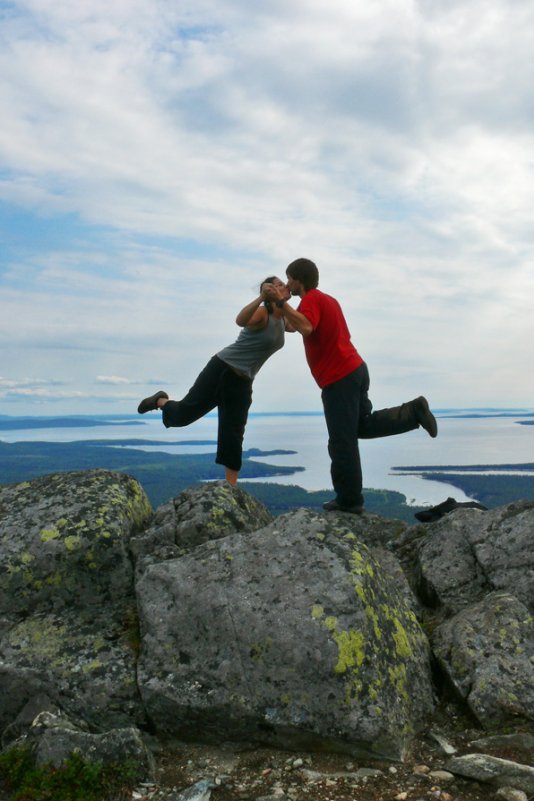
[
  {"x": 48, "y": 534},
  {"x": 378, "y": 644},
  {"x": 46, "y": 638},
  {"x": 258, "y": 650},
  {"x": 351, "y": 650},
  {"x": 72, "y": 542},
  {"x": 401, "y": 639},
  {"x": 372, "y": 616},
  {"x": 94, "y": 664}
]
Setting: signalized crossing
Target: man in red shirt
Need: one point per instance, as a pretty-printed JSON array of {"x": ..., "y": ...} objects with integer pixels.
[{"x": 343, "y": 377}]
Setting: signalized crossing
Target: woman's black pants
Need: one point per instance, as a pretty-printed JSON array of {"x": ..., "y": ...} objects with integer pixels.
[{"x": 216, "y": 386}]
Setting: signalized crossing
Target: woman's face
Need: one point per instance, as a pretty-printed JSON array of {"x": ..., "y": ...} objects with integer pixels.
[{"x": 282, "y": 286}]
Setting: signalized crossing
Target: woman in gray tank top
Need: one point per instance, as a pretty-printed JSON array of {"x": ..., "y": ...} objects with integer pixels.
[{"x": 226, "y": 381}]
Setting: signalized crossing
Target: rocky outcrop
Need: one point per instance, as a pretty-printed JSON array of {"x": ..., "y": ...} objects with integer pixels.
[
  {"x": 476, "y": 569},
  {"x": 67, "y": 605},
  {"x": 199, "y": 515},
  {"x": 470, "y": 553},
  {"x": 64, "y": 542},
  {"x": 294, "y": 635},
  {"x": 55, "y": 738},
  {"x": 211, "y": 620},
  {"x": 495, "y": 771},
  {"x": 487, "y": 652}
]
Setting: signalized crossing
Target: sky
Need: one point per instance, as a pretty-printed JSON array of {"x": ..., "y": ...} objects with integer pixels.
[{"x": 159, "y": 159}]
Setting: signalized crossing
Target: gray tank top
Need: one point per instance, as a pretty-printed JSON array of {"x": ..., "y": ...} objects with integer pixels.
[{"x": 252, "y": 348}]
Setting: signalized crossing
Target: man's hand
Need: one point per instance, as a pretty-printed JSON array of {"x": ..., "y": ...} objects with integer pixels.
[
  {"x": 274, "y": 293},
  {"x": 295, "y": 320}
]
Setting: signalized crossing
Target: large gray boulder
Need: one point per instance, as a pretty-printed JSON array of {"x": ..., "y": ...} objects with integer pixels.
[
  {"x": 487, "y": 652},
  {"x": 199, "y": 514},
  {"x": 469, "y": 553},
  {"x": 293, "y": 635},
  {"x": 68, "y": 619},
  {"x": 64, "y": 541}
]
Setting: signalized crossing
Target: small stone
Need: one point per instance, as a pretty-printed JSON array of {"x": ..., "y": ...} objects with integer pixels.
[
  {"x": 393, "y": 770},
  {"x": 447, "y": 747},
  {"x": 421, "y": 770},
  {"x": 441, "y": 776},
  {"x": 401, "y": 796},
  {"x": 298, "y": 763},
  {"x": 510, "y": 794},
  {"x": 368, "y": 773}
]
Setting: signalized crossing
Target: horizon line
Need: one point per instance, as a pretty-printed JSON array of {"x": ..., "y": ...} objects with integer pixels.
[{"x": 299, "y": 413}]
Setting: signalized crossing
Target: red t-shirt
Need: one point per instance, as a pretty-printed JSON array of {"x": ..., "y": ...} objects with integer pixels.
[{"x": 329, "y": 351}]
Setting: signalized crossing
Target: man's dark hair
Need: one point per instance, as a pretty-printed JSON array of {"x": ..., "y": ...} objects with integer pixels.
[{"x": 305, "y": 271}]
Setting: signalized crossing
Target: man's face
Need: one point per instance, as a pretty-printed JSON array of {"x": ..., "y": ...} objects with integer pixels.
[{"x": 294, "y": 286}]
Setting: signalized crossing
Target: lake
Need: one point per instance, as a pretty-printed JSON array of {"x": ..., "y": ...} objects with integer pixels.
[{"x": 461, "y": 441}]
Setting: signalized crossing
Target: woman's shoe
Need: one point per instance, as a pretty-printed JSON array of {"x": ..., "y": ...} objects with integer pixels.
[
  {"x": 151, "y": 403},
  {"x": 424, "y": 416}
]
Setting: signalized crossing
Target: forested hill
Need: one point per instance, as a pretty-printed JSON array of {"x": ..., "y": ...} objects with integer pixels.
[{"x": 164, "y": 475}]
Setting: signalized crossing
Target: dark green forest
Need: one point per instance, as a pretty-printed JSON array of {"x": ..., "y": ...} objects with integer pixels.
[{"x": 164, "y": 475}]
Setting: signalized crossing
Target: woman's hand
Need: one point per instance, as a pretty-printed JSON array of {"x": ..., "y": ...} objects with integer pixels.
[{"x": 274, "y": 293}]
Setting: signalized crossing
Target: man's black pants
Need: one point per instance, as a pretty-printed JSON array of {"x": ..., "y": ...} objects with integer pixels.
[{"x": 349, "y": 417}]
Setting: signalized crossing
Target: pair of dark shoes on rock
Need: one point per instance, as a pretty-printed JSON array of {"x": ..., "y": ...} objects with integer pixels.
[
  {"x": 437, "y": 512},
  {"x": 151, "y": 404},
  {"x": 335, "y": 506}
]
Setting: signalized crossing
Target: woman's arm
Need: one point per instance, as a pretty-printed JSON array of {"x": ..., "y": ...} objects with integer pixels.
[{"x": 253, "y": 315}]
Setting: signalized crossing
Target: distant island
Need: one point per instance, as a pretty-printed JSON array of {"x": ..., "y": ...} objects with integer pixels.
[
  {"x": 478, "y": 483},
  {"x": 164, "y": 475},
  {"x": 25, "y": 423}
]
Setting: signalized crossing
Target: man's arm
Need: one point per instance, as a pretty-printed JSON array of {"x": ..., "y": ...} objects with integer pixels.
[{"x": 298, "y": 322}]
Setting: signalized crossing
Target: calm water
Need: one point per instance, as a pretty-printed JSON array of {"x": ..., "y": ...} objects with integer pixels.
[{"x": 480, "y": 441}]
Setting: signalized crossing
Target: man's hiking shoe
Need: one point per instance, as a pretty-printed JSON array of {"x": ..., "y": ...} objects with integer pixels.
[
  {"x": 424, "y": 416},
  {"x": 151, "y": 403},
  {"x": 335, "y": 506}
]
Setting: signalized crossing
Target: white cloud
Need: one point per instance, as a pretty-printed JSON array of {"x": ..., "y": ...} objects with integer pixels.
[
  {"x": 209, "y": 144},
  {"x": 114, "y": 380},
  {"x": 27, "y": 384}
]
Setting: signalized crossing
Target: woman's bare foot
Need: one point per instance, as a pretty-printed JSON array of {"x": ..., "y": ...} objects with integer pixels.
[{"x": 231, "y": 476}]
